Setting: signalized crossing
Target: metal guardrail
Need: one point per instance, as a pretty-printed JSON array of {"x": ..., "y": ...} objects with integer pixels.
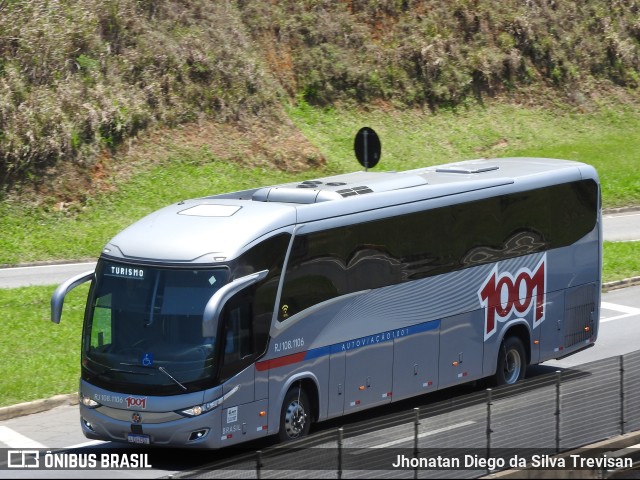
[{"x": 546, "y": 416}]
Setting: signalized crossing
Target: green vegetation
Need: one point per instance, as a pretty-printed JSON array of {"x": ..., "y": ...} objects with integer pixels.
[
  {"x": 620, "y": 260},
  {"x": 80, "y": 78},
  {"x": 605, "y": 138},
  {"x": 35, "y": 234},
  {"x": 38, "y": 359}
]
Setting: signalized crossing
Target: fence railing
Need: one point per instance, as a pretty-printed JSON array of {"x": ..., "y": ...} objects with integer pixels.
[{"x": 551, "y": 414}]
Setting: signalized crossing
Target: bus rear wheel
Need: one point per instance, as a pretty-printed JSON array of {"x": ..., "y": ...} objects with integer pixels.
[
  {"x": 295, "y": 418},
  {"x": 512, "y": 362}
]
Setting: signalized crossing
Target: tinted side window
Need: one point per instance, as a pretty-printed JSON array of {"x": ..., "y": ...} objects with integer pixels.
[
  {"x": 369, "y": 255},
  {"x": 239, "y": 340},
  {"x": 259, "y": 299},
  {"x": 315, "y": 271},
  {"x": 572, "y": 210}
]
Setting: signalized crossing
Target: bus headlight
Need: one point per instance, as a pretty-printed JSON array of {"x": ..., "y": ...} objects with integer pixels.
[
  {"x": 206, "y": 407},
  {"x": 200, "y": 409},
  {"x": 88, "y": 402}
]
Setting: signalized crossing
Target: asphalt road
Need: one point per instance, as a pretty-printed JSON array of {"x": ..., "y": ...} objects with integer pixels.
[
  {"x": 42, "y": 274},
  {"x": 622, "y": 227}
]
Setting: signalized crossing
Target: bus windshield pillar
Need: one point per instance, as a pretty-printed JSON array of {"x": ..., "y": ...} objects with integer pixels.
[{"x": 216, "y": 303}]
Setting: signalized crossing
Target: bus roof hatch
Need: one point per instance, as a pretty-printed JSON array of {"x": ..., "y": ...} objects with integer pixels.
[{"x": 337, "y": 187}]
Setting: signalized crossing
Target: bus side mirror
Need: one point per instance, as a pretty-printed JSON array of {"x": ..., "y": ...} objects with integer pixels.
[
  {"x": 57, "y": 299},
  {"x": 214, "y": 306}
]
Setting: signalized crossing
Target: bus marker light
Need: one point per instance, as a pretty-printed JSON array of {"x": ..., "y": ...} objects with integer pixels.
[
  {"x": 361, "y": 387},
  {"x": 455, "y": 364},
  {"x": 263, "y": 413},
  {"x": 536, "y": 342},
  {"x": 587, "y": 329}
]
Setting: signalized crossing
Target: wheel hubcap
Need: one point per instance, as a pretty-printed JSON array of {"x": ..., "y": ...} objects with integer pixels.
[
  {"x": 295, "y": 419},
  {"x": 512, "y": 366}
]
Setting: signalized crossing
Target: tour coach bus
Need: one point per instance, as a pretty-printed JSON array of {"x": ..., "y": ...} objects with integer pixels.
[{"x": 227, "y": 318}]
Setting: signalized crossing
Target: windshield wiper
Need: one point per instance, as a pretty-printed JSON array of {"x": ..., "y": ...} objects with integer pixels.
[
  {"x": 108, "y": 369},
  {"x": 119, "y": 370},
  {"x": 162, "y": 369},
  {"x": 171, "y": 377}
]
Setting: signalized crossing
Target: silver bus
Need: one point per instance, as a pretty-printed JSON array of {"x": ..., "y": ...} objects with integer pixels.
[{"x": 227, "y": 318}]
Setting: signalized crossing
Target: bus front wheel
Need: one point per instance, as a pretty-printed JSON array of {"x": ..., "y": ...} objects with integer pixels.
[
  {"x": 295, "y": 418},
  {"x": 512, "y": 362}
]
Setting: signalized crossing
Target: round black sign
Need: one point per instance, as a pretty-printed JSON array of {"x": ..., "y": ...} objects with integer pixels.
[{"x": 367, "y": 147}]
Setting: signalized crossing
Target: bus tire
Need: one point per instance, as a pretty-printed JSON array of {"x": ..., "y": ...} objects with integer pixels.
[
  {"x": 295, "y": 417},
  {"x": 512, "y": 362}
]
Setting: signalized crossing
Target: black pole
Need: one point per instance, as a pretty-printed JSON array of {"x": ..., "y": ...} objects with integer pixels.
[
  {"x": 489, "y": 431},
  {"x": 340, "y": 435},
  {"x": 258, "y": 464},
  {"x": 366, "y": 153},
  {"x": 416, "y": 428},
  {"x": 558, "y": 381},
  {"x": 622, "y": 419}
]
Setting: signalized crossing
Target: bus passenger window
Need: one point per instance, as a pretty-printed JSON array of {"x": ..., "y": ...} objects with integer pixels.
[
  {"x": 238, "y": 334},
  {"x": 101, "y": 328}
]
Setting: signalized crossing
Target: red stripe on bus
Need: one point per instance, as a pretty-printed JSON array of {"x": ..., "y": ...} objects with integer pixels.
[{"x": 280, "y": 361}]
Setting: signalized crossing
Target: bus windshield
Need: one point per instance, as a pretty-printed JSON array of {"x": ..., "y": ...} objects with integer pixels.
[{"x": 143, "y": 329}]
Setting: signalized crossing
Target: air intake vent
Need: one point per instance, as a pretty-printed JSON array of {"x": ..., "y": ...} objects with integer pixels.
[
  {"x": 350, "y": 192},
  {"x": 337, "y": 188},
  {"x": 468, "y": 168}
]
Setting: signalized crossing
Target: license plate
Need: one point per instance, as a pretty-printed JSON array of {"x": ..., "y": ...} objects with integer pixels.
[{"x": 136, "y": 438}]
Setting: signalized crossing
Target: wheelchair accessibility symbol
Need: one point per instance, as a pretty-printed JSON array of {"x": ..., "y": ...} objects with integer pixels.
[{"x": 147, "y": 360}]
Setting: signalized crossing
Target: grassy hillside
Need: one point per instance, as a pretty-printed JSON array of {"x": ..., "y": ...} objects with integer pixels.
[
  {"x": 167, "y": 169},
  {"x": 442, "y": 52},
  {"x": 79, "y": 79}
]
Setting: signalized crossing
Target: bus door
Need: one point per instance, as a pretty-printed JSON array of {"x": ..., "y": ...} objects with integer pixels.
[
  {"x": 243, "y": 416},
  {"x": 461, "y": 348},
  {"x": 337, "y": 363},
  {"x": 369, "y": 370},
  {"x": 415, "y": 361}
]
